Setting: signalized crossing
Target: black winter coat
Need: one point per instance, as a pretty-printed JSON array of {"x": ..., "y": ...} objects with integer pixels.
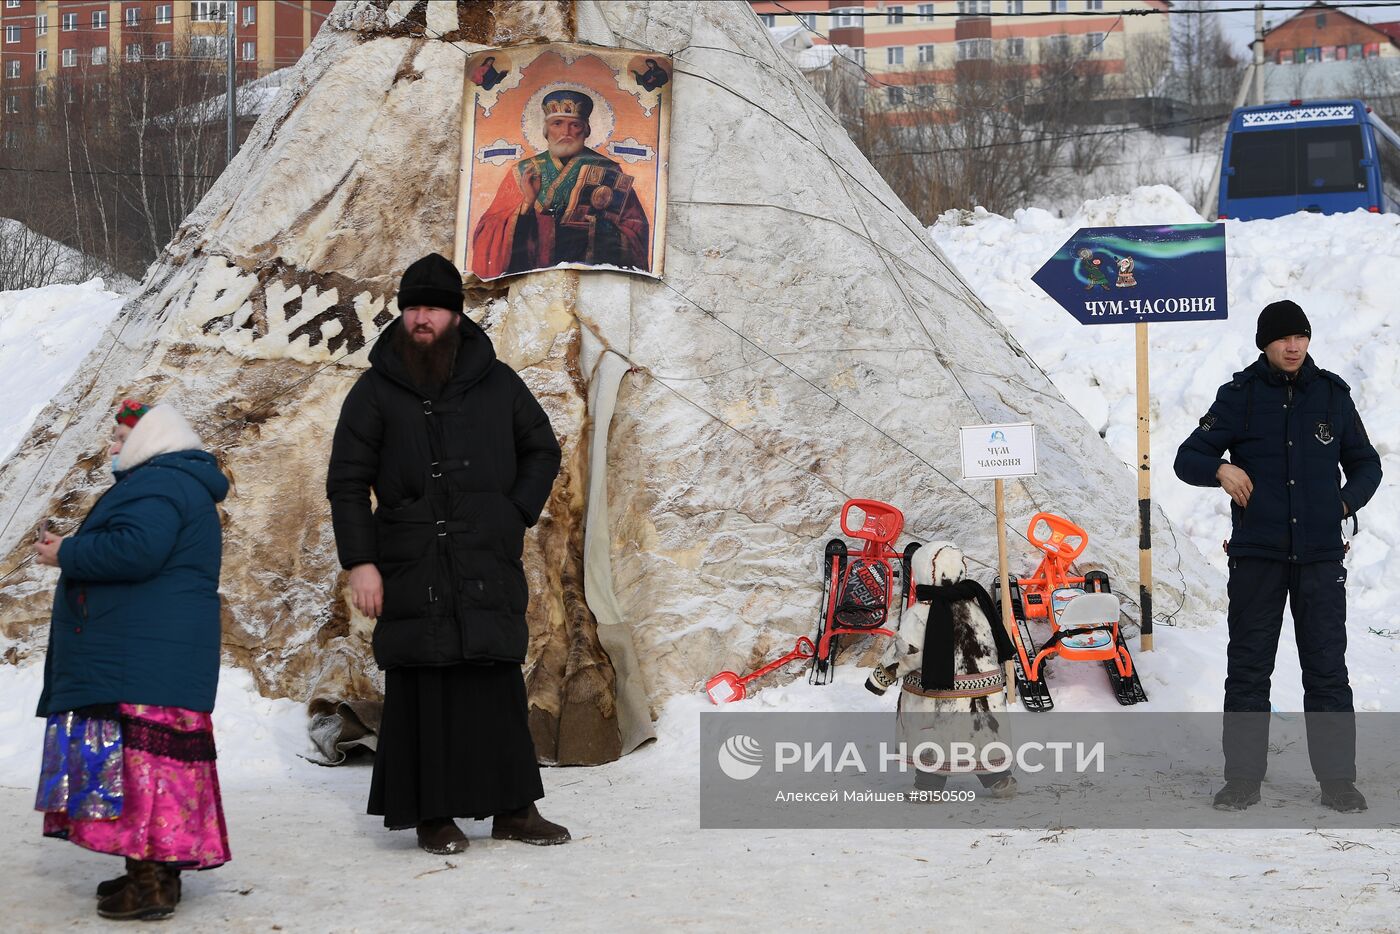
[
  {"x": 1290, "y": 436},
  {"x": 457, "y": 480}
]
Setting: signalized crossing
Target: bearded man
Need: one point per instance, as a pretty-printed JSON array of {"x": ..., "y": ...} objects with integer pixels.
[
  {"x": 568, "y": 204},
  {"x": 461, "y": 459}
]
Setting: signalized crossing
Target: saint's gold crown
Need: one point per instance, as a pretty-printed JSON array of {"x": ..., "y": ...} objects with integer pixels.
[
  {"x": 567, "y": 104},
  {"x": 563, "y": 109}
]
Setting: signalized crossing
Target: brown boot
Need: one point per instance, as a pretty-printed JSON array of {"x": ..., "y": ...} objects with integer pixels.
[
  {"x": 113, "y": 886},
  {"x": 527, "y": 826},
  {"x": 150, "y": 893},
  {"x": 441, "y": 836}
]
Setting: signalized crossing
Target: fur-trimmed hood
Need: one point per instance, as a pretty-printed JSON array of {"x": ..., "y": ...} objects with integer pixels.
[
  {"x": 940, "y": 563},
  {"x": 162, "y": 437},
  {"x": 162, "y": 430}
]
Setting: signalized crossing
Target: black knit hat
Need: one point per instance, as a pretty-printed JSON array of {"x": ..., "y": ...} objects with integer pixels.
[
  {"x": 1281, "y": 319},
  {"x": 431, "y": 281}
]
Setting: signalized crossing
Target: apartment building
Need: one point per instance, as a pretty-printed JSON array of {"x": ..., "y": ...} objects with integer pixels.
[
  {"x": 80, "y": 40},
  {"x": 910, "y": 48}
]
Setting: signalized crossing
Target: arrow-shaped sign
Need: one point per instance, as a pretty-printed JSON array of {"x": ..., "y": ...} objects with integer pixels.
[{"x": 1139, "y": 275}]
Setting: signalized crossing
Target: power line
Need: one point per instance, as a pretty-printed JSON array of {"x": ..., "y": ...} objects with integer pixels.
[
  {"x": 39, "y": 171},
  {"x": 1212, "y": 118},
  {"x": 143, "y": 25},
  {"x": 1102, "y": 14}
]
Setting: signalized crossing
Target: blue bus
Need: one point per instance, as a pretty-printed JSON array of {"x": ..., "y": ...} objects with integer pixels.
[{"x": 1326, "y": 157}]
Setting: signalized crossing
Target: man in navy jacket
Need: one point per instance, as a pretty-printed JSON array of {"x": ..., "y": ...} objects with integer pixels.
[{"x": 1291, "y": 429}]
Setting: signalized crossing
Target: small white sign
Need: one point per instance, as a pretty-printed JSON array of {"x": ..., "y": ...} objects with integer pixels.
[{"x": 993, "y": 452}]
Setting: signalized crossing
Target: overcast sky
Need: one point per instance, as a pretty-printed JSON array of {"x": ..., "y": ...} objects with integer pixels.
[{"x": 1240, "y": 26}]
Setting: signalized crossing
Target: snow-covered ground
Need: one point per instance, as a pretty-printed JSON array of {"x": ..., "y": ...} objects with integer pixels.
[
  {"x": 307, "y": 858},
  {"x": 1135, "y": 159},
  {"x": 44, "y": 336}
]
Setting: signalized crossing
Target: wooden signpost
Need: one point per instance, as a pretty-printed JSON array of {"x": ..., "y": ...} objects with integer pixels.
[
  {"x": 1140, "y": 275},
  {"x": 997, "y": 453},
  {"x": 1144, "y": 490}
]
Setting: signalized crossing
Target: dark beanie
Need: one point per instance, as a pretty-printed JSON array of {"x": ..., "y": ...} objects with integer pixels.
[
  {"x": 431, "y": 281},
  {"x": 1281, "y": 319}
]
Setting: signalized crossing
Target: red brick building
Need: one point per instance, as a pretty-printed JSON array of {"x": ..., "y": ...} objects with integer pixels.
[
  {"x": 1322, "y": 33},
  {"x": 42, "y": 40}
]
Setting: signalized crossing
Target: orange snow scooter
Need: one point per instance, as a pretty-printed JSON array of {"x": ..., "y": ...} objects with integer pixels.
[
  {"x": 858, "y": 590},
  {"x": 1082, "y": 613},
  {"x": 727, "y": 687}
]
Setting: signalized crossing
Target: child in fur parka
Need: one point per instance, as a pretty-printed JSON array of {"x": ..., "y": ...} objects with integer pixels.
[{"x": 949, "y": 655}]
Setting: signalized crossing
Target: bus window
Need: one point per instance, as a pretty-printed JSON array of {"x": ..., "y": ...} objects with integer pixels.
[
  {"x": 1263, "y": 164},
  {"x": 1330, "y": 160}
]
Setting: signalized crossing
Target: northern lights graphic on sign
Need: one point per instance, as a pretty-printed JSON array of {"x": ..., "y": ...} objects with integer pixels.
[{"x": 1139, "y": 275}]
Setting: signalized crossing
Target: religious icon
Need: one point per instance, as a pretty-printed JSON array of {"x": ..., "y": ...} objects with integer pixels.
[
  {"x": 654, "y": 77},
  {"x": 569, "y": 160},
  {"x": 486, "y": 74}
]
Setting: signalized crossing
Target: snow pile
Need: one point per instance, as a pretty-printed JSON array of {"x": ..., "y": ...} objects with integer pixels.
[
  {"x": 1340, "y": 269},
  {"x": 1135, "y": 158},
  {"x": 44, "y": 336}
]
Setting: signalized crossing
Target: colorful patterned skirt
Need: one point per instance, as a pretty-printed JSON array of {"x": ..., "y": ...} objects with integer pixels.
[{"x": 135, "y": 780}]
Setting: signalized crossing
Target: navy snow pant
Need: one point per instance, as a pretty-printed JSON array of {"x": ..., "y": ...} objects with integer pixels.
[{"x": 1316, "y": 594}]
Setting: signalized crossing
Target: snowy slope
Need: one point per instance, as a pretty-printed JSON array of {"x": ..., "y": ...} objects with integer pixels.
[
  {"x": 44, "y": 336},
  {"x": 1340, "y": 269},
  {"x": 1133, "y": 159}
]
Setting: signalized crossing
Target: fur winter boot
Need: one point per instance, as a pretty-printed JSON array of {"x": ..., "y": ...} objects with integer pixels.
[
  {"x": 112, "y": 886},
  {"x": 527, "y": 826},
  {"x": 150, "y": 893},
  {"x": 441, "y": 836},
  {"x": 1000, "y": 786}
]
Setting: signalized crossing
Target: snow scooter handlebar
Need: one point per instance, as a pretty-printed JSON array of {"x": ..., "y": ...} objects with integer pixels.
[
  {"x": 1061, "y": 531},
  {"x": 882, "y": 522}
]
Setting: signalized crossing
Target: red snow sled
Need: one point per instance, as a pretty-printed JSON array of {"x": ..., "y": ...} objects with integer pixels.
[
  {"x": 1082, "y": 613},
  {"x": 727, "y": 687},
  {"x": 858, "y": 591}
]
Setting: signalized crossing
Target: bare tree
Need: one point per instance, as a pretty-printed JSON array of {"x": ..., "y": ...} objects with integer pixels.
[
  {"x": 999, "y": 134},
  {"x": 1208, "y": 70},
  {"x": 111, "y": 161},
  {"x": 1147, "y": 65},
  {"x": 1377, "y": 82},
  {"x": 28, "y": 259}
]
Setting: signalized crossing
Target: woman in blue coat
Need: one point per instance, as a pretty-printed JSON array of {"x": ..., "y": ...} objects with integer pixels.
[{"x": 132, "y": 667}]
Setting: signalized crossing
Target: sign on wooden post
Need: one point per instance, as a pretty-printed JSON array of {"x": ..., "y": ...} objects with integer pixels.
[
  {"x": 1000, "y": 452},
  {"x": 1140, "y": 275}
]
